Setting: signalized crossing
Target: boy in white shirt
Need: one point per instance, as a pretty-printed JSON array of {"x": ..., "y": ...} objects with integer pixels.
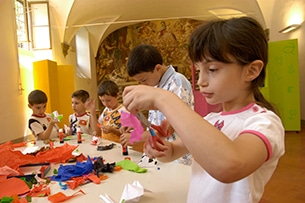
[
  {"x": 41, "y": 124},
  {"x": 87, "y": 121}
]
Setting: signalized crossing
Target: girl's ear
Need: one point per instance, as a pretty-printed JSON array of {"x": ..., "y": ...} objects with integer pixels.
[
  {"x": 29, "y": 105},
  {"x": 253, "y": 70}
]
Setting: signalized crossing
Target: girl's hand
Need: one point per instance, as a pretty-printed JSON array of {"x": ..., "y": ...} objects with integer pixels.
[
  {"x": 151, "y": 152},
  {"x": 140, "y": 97}
]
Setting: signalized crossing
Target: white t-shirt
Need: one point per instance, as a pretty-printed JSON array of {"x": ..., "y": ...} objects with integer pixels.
[
  {"x": 82, "y": 121},
  {"x": 258, "y": 121},
  {"x": 38, "y": 124}
]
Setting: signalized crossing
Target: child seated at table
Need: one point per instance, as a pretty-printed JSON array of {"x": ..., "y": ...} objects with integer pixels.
[
  {"x": 86, "y": 121},
  {"x": 41, "y": 124},
  {"x": 110, "y": 118}
]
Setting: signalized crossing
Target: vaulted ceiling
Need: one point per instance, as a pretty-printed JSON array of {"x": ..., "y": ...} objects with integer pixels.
[{"x": 101, "y": 17}]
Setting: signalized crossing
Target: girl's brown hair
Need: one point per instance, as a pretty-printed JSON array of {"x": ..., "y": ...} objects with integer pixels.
[{"x": 243, "y": 38}]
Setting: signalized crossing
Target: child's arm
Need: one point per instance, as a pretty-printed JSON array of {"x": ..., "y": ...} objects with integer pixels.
[
  {"x": 46, "y": 134},
  {"x": 224, "y": 159},
  {"x": 94, "y": 129},
  {"x": 125, "y": 138},
  {"x": 111, "y": 129}
]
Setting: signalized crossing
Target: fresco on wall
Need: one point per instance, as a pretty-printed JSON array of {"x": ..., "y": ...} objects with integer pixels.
[{"x": 169, "y": 36}]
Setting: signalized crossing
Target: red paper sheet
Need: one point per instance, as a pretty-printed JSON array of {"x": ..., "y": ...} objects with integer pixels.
[{"x": 13, "y": 186}]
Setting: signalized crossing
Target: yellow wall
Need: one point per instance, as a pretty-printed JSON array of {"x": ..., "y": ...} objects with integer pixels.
[
  {"x": 12, "y": 119},
  {"x": 45, "y": 79},
  {"x": 66, "y": 88},
  {"x": 57, "y": 81}
]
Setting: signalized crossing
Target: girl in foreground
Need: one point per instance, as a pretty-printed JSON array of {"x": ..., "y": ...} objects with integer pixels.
[{"x": 237, "y": 150}]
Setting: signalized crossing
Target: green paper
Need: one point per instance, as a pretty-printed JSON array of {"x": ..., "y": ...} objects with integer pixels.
[
  {"x": 6, "y": 199},
  {"x": 131, "y": 166}
]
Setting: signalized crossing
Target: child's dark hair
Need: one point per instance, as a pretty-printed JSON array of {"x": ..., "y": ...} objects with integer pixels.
[
  {"x": 108, "y": 87},
  {"x": 243, "y": 38},
  {"x": 37, "y": 97},
  {"x": 143, "y": 58},
  {"x": 83, "y": 95}
]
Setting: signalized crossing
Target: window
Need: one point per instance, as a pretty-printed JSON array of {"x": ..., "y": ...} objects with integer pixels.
[
  {"x": 21, "y": 23},
  {"x": 40, "y": 25},
  {"x": 33, "y": 27}
]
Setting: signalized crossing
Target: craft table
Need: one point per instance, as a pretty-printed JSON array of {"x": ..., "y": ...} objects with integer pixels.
[{"x": 168, "y": 183}]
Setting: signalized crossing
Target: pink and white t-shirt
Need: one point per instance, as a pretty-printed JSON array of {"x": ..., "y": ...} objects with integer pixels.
[{"x": 253, "y": 119}]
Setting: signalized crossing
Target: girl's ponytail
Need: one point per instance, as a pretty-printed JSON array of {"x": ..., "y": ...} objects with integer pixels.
[{"x": 260, "y": 99}]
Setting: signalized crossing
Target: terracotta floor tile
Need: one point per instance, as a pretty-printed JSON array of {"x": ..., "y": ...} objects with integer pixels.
[{"x": 288, "y": 182}]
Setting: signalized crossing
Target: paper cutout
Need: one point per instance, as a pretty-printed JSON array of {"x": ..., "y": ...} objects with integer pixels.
[
  {"x": 7, "y": 171},
  {"x": 106, "y": 198},
  {"x": 132, "y": 192},
  {"x": 66, "y": 172},
  {"x": 61, "y": 197},
  {"x": 130, "y": 166},
  {"x": 11, "y": 186},
  {"x": 56, "y": 115},
  {"x": 14, "y": 158},
  {"x": 75, "y": 182},
  {"x": 130, "y": 120},
  {"x": 31, "y": 149},
  {"x": 39, "y": 190}
]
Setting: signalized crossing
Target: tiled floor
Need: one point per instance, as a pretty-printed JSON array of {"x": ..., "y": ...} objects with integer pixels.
[{"x": 288, "y": 182}]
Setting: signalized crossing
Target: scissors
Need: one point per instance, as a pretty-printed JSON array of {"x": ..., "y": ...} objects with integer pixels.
[{"x": 155, "y": 138}]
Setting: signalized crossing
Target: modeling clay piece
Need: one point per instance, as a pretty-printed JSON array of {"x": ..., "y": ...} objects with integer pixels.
[
  {"x": 105, "y": 147},
  {"x": 99, "y": 166}
]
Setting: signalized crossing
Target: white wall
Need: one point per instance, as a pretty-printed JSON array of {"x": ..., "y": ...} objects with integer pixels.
[{"x": 59, "y": 11}]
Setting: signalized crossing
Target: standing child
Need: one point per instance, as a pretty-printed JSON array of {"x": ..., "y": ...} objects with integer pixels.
[
  {"x": 42, "y": 125},
  {"x": 237, "y": 150},
  {"x": 81, "y": 118},
  {"x": 110, "y": 118},
  {"x": 145, "y": 65}
]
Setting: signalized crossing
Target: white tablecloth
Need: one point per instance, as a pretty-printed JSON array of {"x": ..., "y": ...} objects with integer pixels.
[{"x": 168, "y": 182}]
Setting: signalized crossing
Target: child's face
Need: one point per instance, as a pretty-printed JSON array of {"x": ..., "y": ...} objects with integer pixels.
[
  {"x": 38, "y": 109},
  {"x": 109, "y": 101},
  {"x": 78, "y": 106},
  {"x": 149, "y": 78},
  {"x": 221, "y": 82}
]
